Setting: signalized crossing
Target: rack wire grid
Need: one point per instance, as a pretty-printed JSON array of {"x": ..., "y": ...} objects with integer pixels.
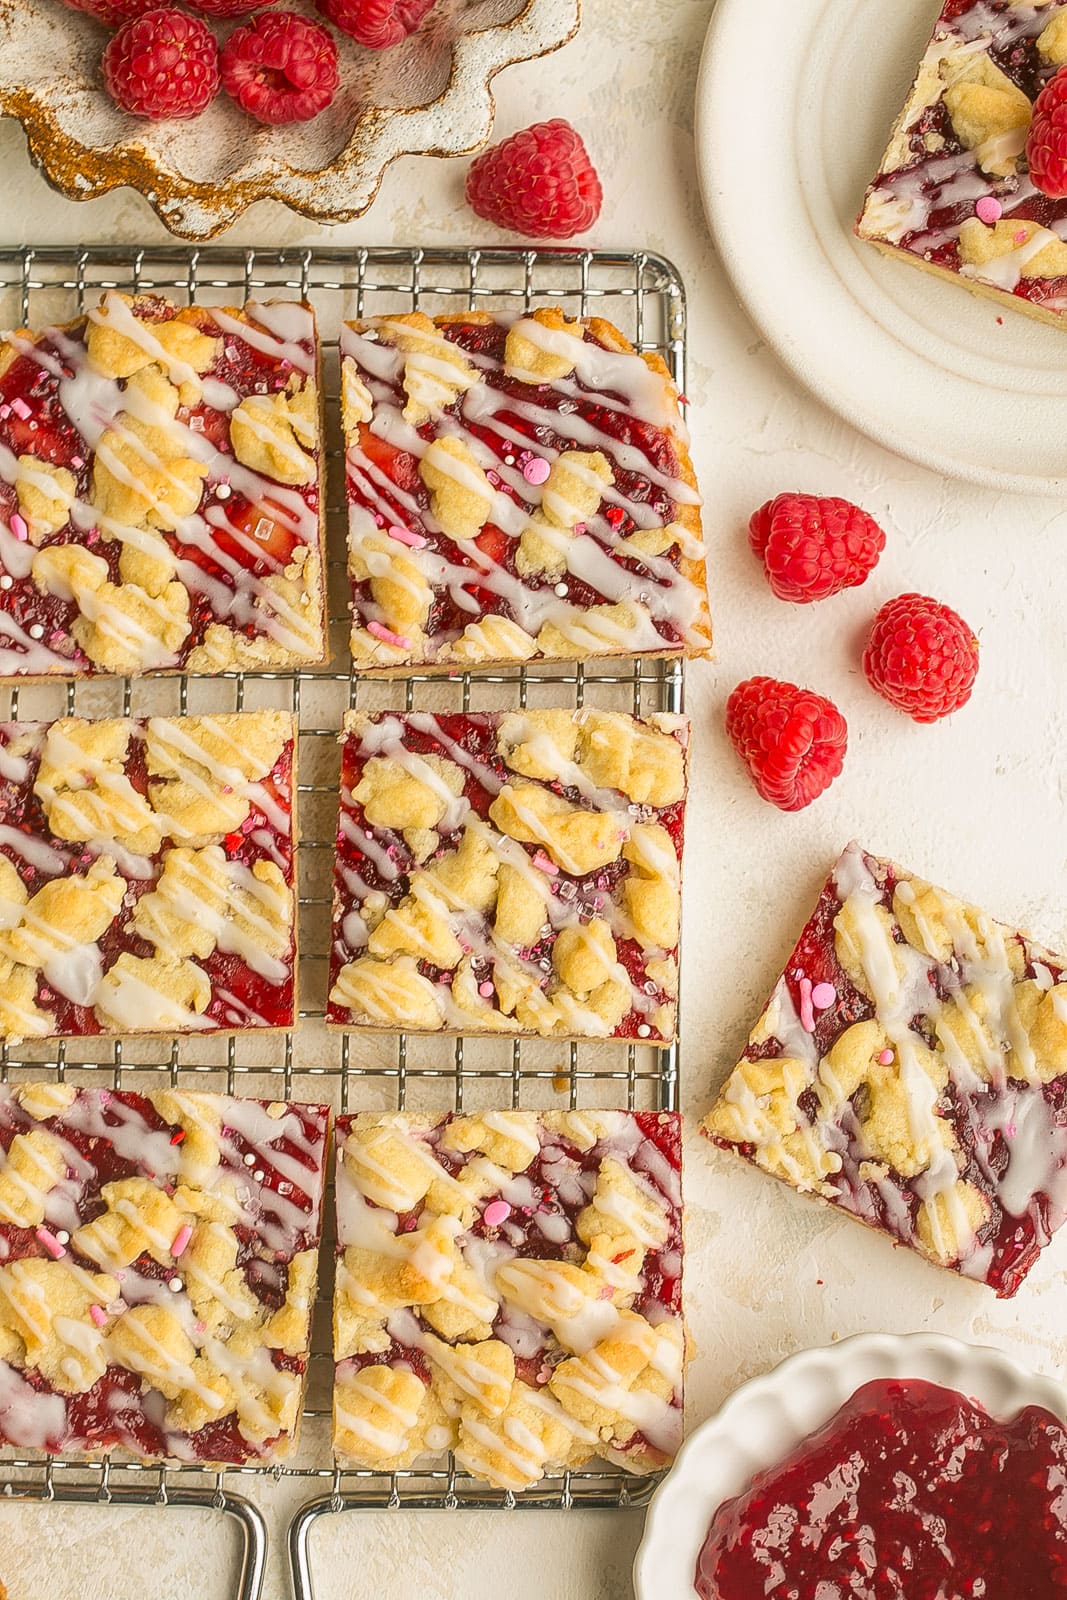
[{"x": 643, "y": 295}]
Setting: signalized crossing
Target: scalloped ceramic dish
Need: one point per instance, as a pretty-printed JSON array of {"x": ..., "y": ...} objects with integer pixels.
[
  {"x": 430, "y": 95},
  {"x": 768, "y": 1417}
]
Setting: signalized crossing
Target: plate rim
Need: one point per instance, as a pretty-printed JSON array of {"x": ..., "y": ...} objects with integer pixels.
[
  {"x": 788, "y": 351},
  {"x": 840, "y": 1368}
]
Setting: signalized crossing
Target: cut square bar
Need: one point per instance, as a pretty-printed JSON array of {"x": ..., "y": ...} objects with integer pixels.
[
  {"x": 158, "y": 1259},
  {"x": 911, "y": 1068},
  {"x": 518, "y": 488},
  {"x": 161, "y": 500},
  {"x": 953, "y": 194},
  {"x": 509, "y": 1286},
  {"x": 510, "y": 872},
  {"x": 147, "y": 875}
]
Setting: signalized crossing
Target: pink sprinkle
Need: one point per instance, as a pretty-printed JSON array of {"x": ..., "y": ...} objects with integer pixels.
[
  {"x": 486, "y": 990},
  {"x": 76, "y": 462},
  {"x": 885, "y": 1058},
  {"x": 405, "y": 536},
  {"x": 387, "y": 636},
  {"x": 579, "y": 527},
  {"x": 19, "y": 528},
  {"x": 51, "y": 1243},
  {"x": 1021, "y": 236},
  {"x": 545, "y": 864},
  {"x": 807, "y": 1015},
  {"x": 99, "y": 1315},
  {"x": 536, "y": 470},
  {"x": 823, "y": 995},
  {"x": 201, "y": 1327},
  {"x": 496, "y": 1213},
  {"x": 20, "y": 408},
  {"x": 1010, "y": 1130},
  {"x": 989, "y": 210},
  {"x": 181, "y": 1239},
  {"x": 5, "y": 410}
]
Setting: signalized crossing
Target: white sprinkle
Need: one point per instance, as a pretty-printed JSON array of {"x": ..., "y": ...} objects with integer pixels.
[
  {"x": 222, "y": 492},
  {"x": 643, "y": 1031},
  {"x": 560, "y": 589},
  {"x": 258, "y": 1175},
  {"x": 37, "y": 632},
  {"x": 63, "y": 1236},
  {"x": 6, "y": 582},
  {"x": 250, "y": 1159},
  {"x": 175, "y": 1285}
]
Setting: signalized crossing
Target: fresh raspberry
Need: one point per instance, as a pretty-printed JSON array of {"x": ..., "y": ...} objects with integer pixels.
[
  {"x": 1046, "y": 143},
  {"x": 921, "y": 657},
  {"x": 540, "y": 182},
  {"x": 164, "y": 64},
  {"x": 376, "y": 23},
  {"x": 791, "y": 740},
  {"x": 812, "y": 548},
  {"x": 113, "y": 13},
  {"x": 228, "y": 8},
  {"x": 280, "y": 68}
]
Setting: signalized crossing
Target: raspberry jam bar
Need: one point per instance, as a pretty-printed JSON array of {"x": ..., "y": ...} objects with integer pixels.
[
  {"x": 953, "y": 194},
  {"x": 911, "y": 1068},
  {"x": 146, "y": 875},
  {"x": 160, "y": 505},
  {"x": 158, "y": 1260},
  {"x": 517, "y": 488},
  {"x": 509, "y": 1286},
  {"x": 510, "y": 872}
]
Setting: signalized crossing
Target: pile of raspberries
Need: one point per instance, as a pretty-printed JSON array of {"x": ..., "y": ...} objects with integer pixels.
[{"x": 278, "y": 66}]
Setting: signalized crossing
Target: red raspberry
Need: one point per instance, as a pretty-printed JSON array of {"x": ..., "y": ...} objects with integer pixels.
[
  {"x": 376, "y": 23},
  {"x": 228, "y": 8},
  {"x": 280, "y": 68},
  {"x": 813, "y": 548},
  {"x": 540, "y": 182},
  {"x": 164, "y": 64},
  {"x": 791, "y": 740},
  {"x": 113, "y": 13},
  {"x": 921, "y": 657},
  {"x": 1046, "y": 143}
]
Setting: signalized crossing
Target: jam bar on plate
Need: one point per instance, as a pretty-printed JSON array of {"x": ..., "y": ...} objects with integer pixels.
[
  {"x": 911, "y": 1068},
  {"x": 517, "y": 488},
  {"x": 509, "y": 1287},
  {"x": 160, "y": 500},
  {"x": 953, "y": 193},
  {"x": 146, "y": 875},
  {"x": 158, "y": 1262},
  {"x": 510, "y": 872}
]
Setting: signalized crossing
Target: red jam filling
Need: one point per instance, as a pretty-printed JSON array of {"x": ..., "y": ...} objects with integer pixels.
[
  {"x": 47, "y": 433},
  {"x": 911, "y": 1492},
  {"x": 476, "y": 734},
  {"x": 240, "y": 997},
  {"x": 615, "y": 423}
]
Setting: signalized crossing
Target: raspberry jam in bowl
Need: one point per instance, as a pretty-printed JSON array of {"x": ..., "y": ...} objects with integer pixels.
[{"x": 882, "y": 1468}]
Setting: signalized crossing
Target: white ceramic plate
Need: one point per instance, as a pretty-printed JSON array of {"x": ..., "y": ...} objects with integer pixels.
[
  {"x": 765, "y": 1419},
  {"x": 794, "y": 105}
]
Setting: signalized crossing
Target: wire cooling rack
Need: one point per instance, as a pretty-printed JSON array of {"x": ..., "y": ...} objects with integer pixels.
[{"x": 643, "y": 295}]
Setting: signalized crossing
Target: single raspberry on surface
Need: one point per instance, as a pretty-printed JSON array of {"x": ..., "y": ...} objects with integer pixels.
[
  {"x": 922, "y": 657},
  {"x": 280, "y": 67},
  {"x": 376, "y": 23},
  {"x": 163, "y": 64},
  {"x": 1046, "y": 143},
  {"x": 540, "y": 182},
  {"x": 792, "y": 740},
  {"x": 812, "y": 547},
  {"x": 225, "y": 9},
  {"x": 113, "y": 13}
]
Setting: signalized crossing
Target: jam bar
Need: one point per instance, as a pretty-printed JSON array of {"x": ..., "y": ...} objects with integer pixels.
[
  {"x": 518, "y": 488},
  {"x": 160, "y": 498},
  {"x": 509, "y": 1286},
  {"x": 953, "y": 194},
  {"x": 510, "y": 872},
  {"x": 158, "y": 1260},
  {"x": 146, "y": 875},
  {"x": 911, "y": 1068}
]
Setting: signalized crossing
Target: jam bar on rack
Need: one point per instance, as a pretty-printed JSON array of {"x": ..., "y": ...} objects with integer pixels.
[
  {"x": 517, "y": 488},
  {"x": 509, "y": 1286},
  {"x": 953, "y": 194},
  {"x": 510, "y": 872},
  {"x": 911, "y": 1068},
  {"x": 146, "y": 875},
  {"x": 160, "y": 498},
  {"x": 158, "y": 1262}
]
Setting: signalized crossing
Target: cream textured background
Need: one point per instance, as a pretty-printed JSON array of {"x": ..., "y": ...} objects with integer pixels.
[{"x": 980, "y": 804}]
